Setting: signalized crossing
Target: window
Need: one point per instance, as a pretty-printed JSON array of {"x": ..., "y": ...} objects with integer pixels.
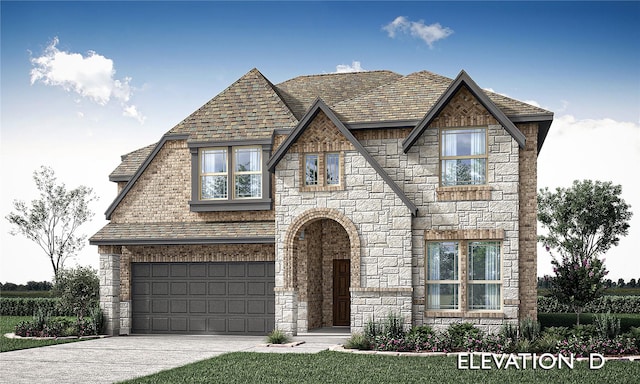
[
  {"x": 484, "y": 276},
  {"x": 213, "y": 174},
  {"x": 332, "y": 162},
  {"x": 247, "y": 173},
  {"x": 481, "y": 260},
  {"x": 322, "y": 171},
  {"x": 443, "y": 284},
  {"x": 463, "y": 157},
  {"x": 311, "y": 170}
]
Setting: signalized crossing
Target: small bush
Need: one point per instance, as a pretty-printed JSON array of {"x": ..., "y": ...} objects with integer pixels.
[
  {"x": 393, "y": 326},
  {"x": 529, "y": 329},
  {"x": 420, "y": 334},
  {"x": 459, "y": 333},
  {"x": 585, "y": 331},
  {"x": 607, "y": 325},
  {"x": 509, "y": 331},
  {"x": 604, "y": 304},
  {"x": 26, "y": 306},
  {"x": 358, "y": 341},
  {"x": 277, "y": 337},
  {"x": 79, "y": 290}
]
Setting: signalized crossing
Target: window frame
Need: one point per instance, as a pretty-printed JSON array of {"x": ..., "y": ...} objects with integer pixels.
[
  {"x": 457, "y": 281},
  {"x": 203, "y": 174},
  {"x": 230, "y": 203},
  {"x": 464, "y": 278},
  {"x": 442, "y": 158},
  {"x": 322, "y": 170},
  {"x": 236, "y": 173}
]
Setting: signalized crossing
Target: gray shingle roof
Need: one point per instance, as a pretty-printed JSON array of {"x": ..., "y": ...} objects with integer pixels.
[
  {"x": 300, "y": 92},
  {"x": 250, "y": 108},
  {"x": 185, "y": 233},
  {"x": 130, "y": 163}
]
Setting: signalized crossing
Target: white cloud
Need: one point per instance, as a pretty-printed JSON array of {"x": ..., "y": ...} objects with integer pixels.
[
  {"x": 428, "y": 33},
  {"x": 354, "y": 67},
  {"x": 132, "y": 111},
  {"x": 603, "y": 149},
  {"x": 91, "y": 76}
]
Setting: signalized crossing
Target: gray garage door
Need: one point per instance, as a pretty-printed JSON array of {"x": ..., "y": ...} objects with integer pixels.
[{"x": 203, "y": 298}]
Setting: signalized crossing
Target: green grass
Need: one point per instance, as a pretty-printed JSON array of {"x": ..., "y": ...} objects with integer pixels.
[
  {"x": 7, "y": 325},
  {"x": 337, "y": 367},
  {"x": 627, "y": 320}
]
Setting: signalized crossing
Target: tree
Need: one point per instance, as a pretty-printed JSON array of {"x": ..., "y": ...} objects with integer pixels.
[
  {"x": 632, "y": 283},
  {"x": 582, "y": 223},
  {"x": 621, "y": 283},
  {"x": 78, "y": 289},
  {"x": 52, "y": 220}
]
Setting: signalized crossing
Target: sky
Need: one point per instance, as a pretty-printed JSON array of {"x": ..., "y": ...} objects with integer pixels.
[{"x": 83, "y": 83}]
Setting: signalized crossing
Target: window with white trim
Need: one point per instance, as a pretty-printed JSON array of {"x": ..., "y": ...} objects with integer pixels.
[
  {"x": 244, "y": 175},
  {"x": 463, "y": 156},
  {"x": 482, "y": 280}
]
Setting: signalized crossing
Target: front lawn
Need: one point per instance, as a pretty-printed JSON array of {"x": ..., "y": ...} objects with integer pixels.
[
  {"x": 8, "y": 324},
  {"x": 337, "y": 367}
]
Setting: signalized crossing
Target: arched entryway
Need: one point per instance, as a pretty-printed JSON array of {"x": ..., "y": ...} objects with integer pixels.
[{"x": 322, "y": 260}]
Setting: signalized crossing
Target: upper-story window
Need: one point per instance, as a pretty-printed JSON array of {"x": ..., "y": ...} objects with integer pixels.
[
  {"x": 228, "y": 178},
  {"x": 322, "y": 171},
  {"x": 463, "y": 156}
]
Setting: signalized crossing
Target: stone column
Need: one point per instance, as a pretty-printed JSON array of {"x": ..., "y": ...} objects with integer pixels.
[
  {"x": 110, "y": 288},
  {"x": 287, "y": 311}
]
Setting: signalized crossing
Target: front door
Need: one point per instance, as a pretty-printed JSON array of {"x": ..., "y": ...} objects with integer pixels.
[{"x": 341, "y": 295}]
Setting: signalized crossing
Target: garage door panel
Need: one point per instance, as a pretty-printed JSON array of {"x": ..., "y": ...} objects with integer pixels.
[
  {"x": 203, "y": 298},
  {"x": 199, "y": 288},
  {"x": 160, "y": 306},
  {"x": 160, "y": 270},
  {"x": 219, "y": 288}
]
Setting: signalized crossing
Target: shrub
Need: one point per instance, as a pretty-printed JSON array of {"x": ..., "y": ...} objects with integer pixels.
[
  {"x": 420, "y": 333},
  {"x": 529, "y": 329},
  {"x": 459, "y": 333},
  {"x": 24, "y": 306},
  {"x": 604, "y": 304},
  {"x": 277, "y": 337},
  {"x": 607, "y": 325},
  {"x": 372, "y": 329},
  {"x": 393, "y": 326},
  {"x": 358, "y": 341},
  {"x": 79, "y": 290},
  {"x": 509, "y": 331}
]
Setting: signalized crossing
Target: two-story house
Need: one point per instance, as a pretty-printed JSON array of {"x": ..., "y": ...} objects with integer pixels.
[{"x": 328, "y": 200}]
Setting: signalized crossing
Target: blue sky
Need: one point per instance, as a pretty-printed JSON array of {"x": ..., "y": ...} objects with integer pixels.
[{"x": 580, "y": 60}]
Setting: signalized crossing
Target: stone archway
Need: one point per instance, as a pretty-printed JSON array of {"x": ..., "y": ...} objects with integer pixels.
[{"x": 321, "y": 263}]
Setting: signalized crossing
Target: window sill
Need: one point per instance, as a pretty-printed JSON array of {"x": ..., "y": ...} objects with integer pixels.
[
  {"x": 464, "y": 192},
  {"x": 322, "y": 188},
  {"x": 230, "y": 205},
  {"x": 466, "y": 314}
]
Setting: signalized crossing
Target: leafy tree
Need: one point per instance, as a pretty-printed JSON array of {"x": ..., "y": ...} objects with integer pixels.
[
  {"x": 632, "y": 283},
  {"x": 582, "y": 223},
  {"x": 52, "y": 220},
  {"x": 78, "y": 289},
  {"x": 621, "y": 283}
]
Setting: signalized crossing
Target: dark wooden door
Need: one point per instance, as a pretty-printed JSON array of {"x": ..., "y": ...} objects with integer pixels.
[{"x": 341, "y": 295}]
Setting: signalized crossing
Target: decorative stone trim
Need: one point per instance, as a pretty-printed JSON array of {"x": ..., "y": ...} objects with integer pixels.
[
  {"x": 462, "y": 193},
  {"x": 466, "y": 314},
  {"x": 307, "y": 217},
  {"x": 464, "y": 234}
]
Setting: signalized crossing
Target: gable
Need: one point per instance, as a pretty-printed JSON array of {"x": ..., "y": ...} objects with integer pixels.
[
  {"x": 321, "y": 136},
  {"x": 464, "y": 110},
  {"x": 313, "y": 139},
  {"x": 464, "y": 80}
]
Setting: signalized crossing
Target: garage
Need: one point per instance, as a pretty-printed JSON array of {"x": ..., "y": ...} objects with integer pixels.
[{"x": 203, "y": 298}]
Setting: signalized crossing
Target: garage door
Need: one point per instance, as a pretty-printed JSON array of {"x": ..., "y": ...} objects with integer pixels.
[{"x": 203, "y": 298}]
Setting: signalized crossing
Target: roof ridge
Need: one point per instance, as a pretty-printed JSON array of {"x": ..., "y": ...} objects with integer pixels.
[{"x": 337, "y": 74}]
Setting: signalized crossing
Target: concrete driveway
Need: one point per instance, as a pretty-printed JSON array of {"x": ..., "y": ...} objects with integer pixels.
[{"x": 115, "y": 359}]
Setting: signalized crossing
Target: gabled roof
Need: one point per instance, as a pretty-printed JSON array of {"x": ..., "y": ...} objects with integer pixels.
[
  {"x": 250, "y": 108},
  {"x": 463, "y": 80},
  {"x": 318, "y": 106},
  {"x": 130, "y": 163}
]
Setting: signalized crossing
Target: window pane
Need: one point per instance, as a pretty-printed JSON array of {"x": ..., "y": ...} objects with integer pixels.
[
  {"x": 442, "y": 261},
  {"x": 484, "y": 296},
  {"x": 484, "y": 260},
  {"x": 214, "y": 161},
  {"x": 332, "y": 161},
  {"x": 311, "y": 170},
  {"x": 247, "y": 159},
  {"x": 464, "y": 142},
  {"x": 464, "y": 172},
  {"x": 249, "y": 185},
  {"x": 442, "y": 296},
  {"x": 214, "y": 187}
]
